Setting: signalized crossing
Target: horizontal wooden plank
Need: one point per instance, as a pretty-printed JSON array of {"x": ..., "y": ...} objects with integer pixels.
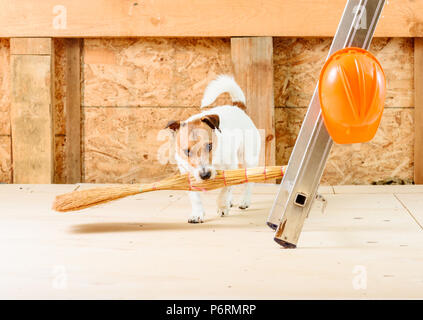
[{"x": 117, "y": 18}]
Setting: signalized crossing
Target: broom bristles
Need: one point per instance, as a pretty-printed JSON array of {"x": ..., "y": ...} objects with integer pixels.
[{"x": 82, "y": 199}]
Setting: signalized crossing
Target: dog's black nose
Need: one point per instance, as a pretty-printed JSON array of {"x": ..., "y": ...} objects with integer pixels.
[{"x": 205, "y": 174}]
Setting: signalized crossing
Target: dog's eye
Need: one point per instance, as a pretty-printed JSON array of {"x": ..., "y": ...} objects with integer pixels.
[
  {"x": 209, "y": 146},
  {"x": 187, "y": 152}
]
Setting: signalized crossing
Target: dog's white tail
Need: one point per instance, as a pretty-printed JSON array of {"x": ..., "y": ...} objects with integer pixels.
[{"x": 223, "y": 83}]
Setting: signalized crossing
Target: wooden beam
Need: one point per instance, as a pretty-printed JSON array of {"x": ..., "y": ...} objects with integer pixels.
[
  {"x": 208, "y": 18},
  {"x": 418, "y": 110},
  {"x": 73, "y": 111},
  {"x": 252, "y": 60},
  {"x": 31, "y": 110}
]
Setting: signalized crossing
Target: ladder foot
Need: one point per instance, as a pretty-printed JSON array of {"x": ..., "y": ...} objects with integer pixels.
[
  {"x": 272, "y": 225},
  {"x": 285, "y": 244}
]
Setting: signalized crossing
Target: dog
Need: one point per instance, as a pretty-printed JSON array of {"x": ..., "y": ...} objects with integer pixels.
[{"x": 219, "y": 138}]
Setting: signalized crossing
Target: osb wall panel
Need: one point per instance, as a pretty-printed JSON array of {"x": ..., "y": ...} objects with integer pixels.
[
  {"x": 163, "y": 78},
  {"x": 388, "y": 156},
  {"x": 174, "y": 72},
  {"x": 297, "y": 64},
  {"x": 121, "y": 144},
  {"x": 131, "y": 89},
  {"x": 151, "y": 71}
]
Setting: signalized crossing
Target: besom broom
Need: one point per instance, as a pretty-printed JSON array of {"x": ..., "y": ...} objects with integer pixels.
[{"x": 78, "y": 200}]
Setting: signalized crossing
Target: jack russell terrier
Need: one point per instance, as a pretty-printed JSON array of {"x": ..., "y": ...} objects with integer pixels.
[{"x": 220, "y": 138}]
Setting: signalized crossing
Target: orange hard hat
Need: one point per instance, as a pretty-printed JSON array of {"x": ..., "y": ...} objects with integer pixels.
[{"x": 352, "y": 94}]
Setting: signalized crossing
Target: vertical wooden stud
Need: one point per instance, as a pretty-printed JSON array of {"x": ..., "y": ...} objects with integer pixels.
[
  {"x": 418, "y": 113},
  {"x": 32, "y": 71},
  {"x": 73, "y": 111},
  {"x": 252, "y": 59}
]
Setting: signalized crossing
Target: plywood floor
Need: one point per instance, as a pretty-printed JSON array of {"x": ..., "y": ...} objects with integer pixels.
[{"x": 367, "y": 244}]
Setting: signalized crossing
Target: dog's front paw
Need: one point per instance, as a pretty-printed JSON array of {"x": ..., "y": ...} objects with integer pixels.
[
  {"x": 196, "y": 219},
  {"x": 223, "y": 212},
  {"x": 244, "y": 204}
]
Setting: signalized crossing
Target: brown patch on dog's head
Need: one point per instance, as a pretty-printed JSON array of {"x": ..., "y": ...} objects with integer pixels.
[
  {"x": 240, "y": 105},
  {"x": 173, "y": 125},
  {"x": 212, "y": 120}
]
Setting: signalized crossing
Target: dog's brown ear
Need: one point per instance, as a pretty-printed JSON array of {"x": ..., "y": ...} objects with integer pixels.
[
  {"x": 212, "y": 120},
  {"x": 173, "y": 125}
]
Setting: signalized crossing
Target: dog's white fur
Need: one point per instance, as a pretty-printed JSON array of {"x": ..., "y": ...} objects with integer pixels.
[
  {"x": 238, "y": 143},
  {"x": 223, "y": 83}
]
